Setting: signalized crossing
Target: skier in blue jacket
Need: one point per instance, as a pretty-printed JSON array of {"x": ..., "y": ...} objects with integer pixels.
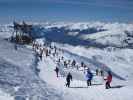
[{"x": 89, "y": 77}]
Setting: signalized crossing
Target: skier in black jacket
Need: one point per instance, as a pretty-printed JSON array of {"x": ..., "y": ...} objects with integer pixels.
[
  {"x": 68, "y": 79},
  {"x": 57, "y": 71}
]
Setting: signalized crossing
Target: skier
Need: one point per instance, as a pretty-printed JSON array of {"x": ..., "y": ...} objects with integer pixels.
[
  {"x": 65, "y": 64},
  {"x": 15, "y": 46},
  {"x": 82, "y": 64},
  {"x": 73, "y": 63},
  {"x": 53, "y": 54},
  {"x": 102, "y": 73},
  {"x": 58, "y": 60},
  {"x": 68, "y": 79},
  {"x": 62, "y": 58},
  {"x": 69, "y": 61},
  {"x": 108, "y": 80},
  {"x": 55, "y": 48},
  {"x": 41, "y": 53},
  {"x": 77, "y": 67},
  {"x": 89, "y": 77},
  {"x": 97, "y": 71},
  {"x": 47, "y": 53},
  {"x": 57, "y": 71}
]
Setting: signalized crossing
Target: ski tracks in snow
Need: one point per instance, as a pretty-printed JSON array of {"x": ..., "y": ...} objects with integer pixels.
[{"x": 78, "y": 89}]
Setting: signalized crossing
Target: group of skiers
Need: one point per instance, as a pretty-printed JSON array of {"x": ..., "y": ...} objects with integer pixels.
[
  {"x": 40, "y": 50},
  {"x": 89, "y": 75},
  {"x": 99, "y": 72}
]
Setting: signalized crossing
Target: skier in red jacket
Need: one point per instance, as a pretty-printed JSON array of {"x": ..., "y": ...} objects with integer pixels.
[{"x": 108, "y": 80}]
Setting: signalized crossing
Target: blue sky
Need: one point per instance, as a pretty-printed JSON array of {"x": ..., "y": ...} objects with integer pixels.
[{"x": 66, "y": 10}]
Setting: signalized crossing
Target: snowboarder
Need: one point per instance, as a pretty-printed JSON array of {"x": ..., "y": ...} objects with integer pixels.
[
  {"x": 89, "y": 77},
  {"x": 108, "y": 80},
  {"x": 68, "y": 79},
  {"x": 57, "y": 71}
]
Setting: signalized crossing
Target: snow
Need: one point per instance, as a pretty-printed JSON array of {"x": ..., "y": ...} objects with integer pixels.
[
  {"x": 4, "y": 96},
  {"x": 79, "y": 88},
  {"x": 19, "y": 76},
  {"x": 111, "y": 57},
  {"x": 114, "y": 34}
]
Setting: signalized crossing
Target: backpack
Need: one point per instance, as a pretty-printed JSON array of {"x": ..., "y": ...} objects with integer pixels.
[{"x": 89, "y": 76}]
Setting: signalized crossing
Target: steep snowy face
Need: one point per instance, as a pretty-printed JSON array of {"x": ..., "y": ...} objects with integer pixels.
[{"x": 116, "y": 34}]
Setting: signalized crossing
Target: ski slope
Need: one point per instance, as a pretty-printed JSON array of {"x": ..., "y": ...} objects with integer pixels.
[
  {"x": 79, "y": 91},
  {"x": 118, "y": 60},
  {"x": 19, "y": 76},
  {"x": 78, "y": 88}
]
